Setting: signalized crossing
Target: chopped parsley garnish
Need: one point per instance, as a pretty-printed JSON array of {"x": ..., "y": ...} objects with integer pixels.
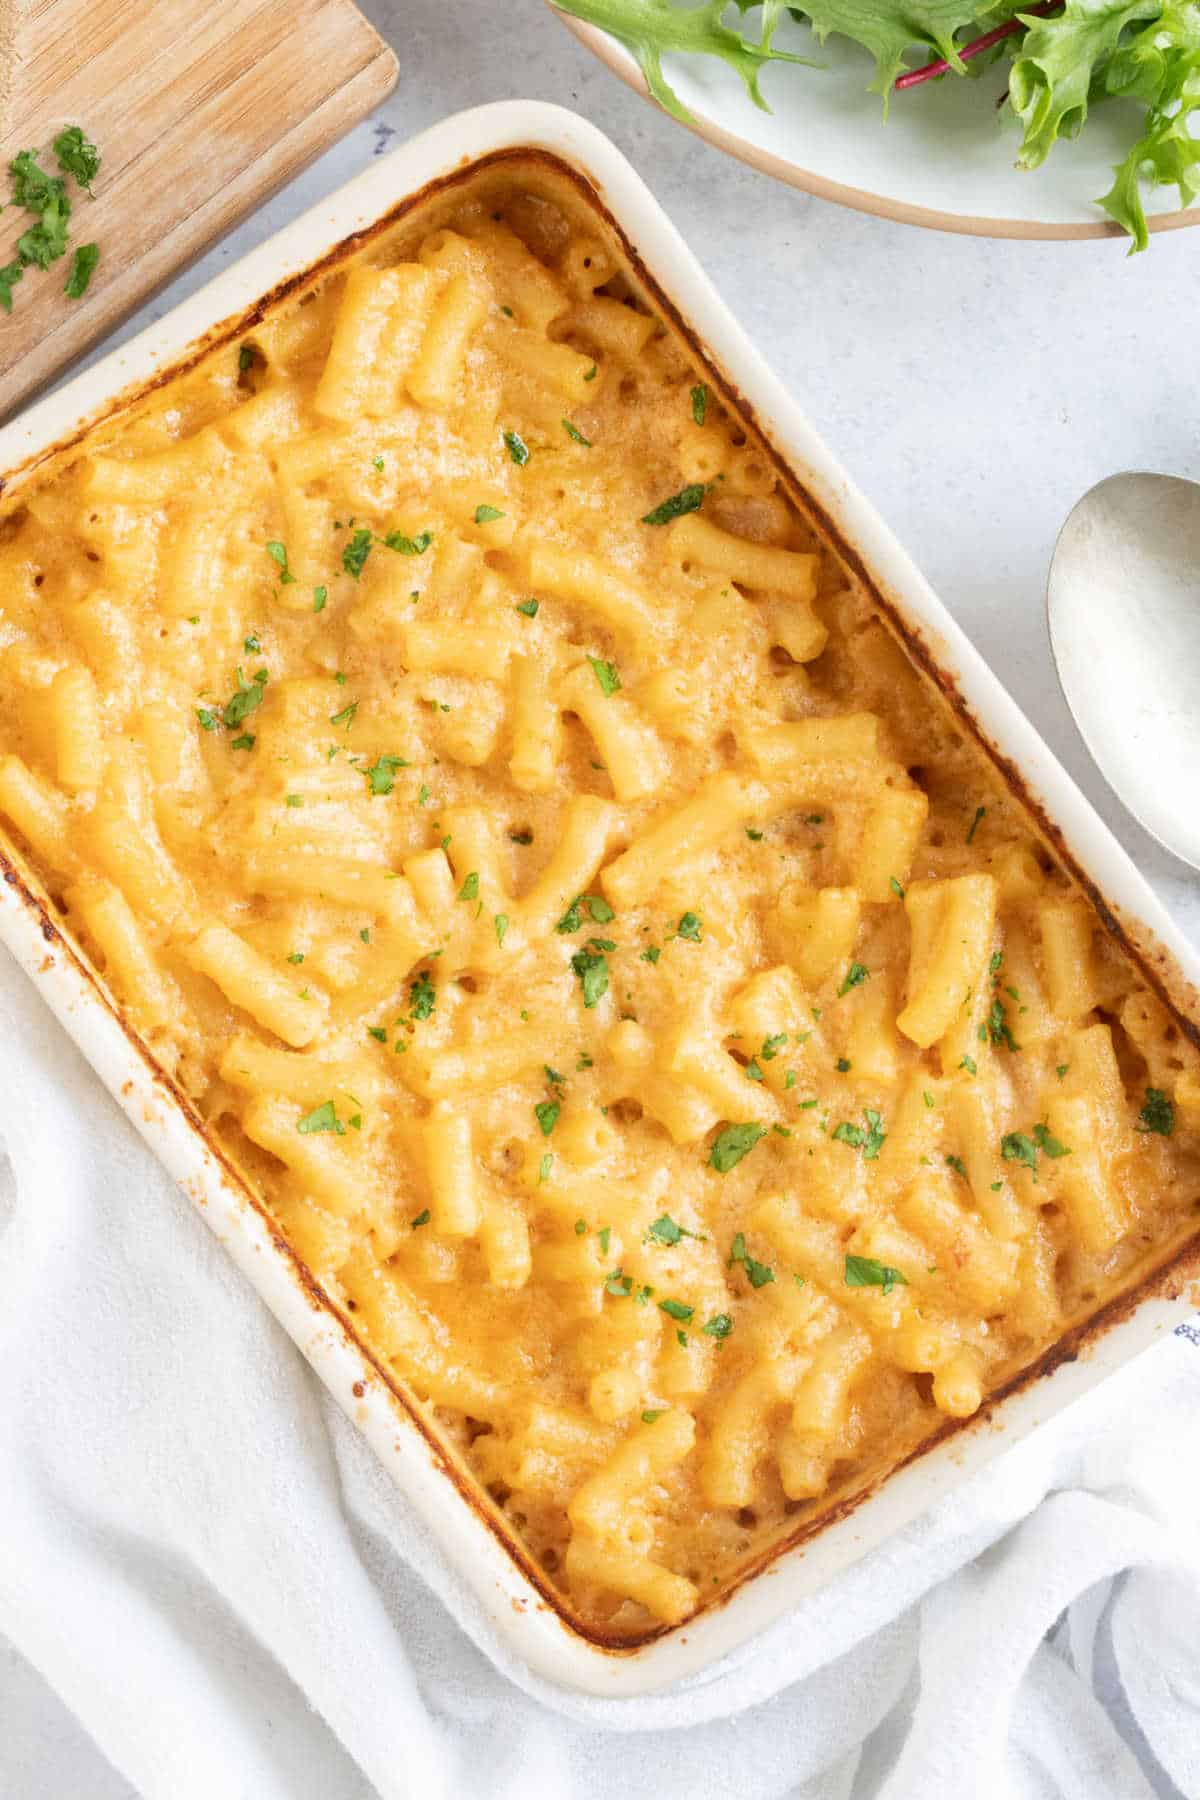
[
  {"x": 528, "y": 607},
  {"x": 752, "y": 1071},
  {"x": 378, "y": 1033},
  {"x": 591, "y": 374},
  {"x": 500, "y": 922},
  {"x": 246, "y": 700},
  {"x": 895, "y": 887},
  {"x": 581, "y": 1228},
  {"x": 422, "y": 1218},
  {"x": 546, "y": 1112},
  {"x": 870, "y": 1138},
  {"x": 651, "y": 1413},
  {"x": 618, "y": 1284},
  {"x": 606, "y": 674},
  {"x": 665, "y": 1231},
  {"x": 980, "y": 812},
  {"x": 245, "y": 742},
  {"x": 997, "y": 1027},
  {"x": 771, "y": 1046},
  {"x": 1016, "y": 1147},
  {"x": 591, "y": 966},
  {"x": 651, "y": 955},
  {"x": 76, "y": 155},
  {"x": 517, "y": 448},
  {"x": 719, "y": 1326},
  {"x": 406, "y": 546},
  {"x": 689, "y": 927},
  {"x": 958, "y": 1165},
  {"x": 294, "y": 799},
  {"x": 604, "y": 1235},
  {"x": 320, "y": 595},
  {"x": 675, "y": 1309},
  {"x": 576, "y": 436},
  {"x": 83, "y": 267},
  {"x": 382, "y": 777},
  {"x": 856, "y": 974},
  {"x": 487, "y": 515},
  {"x": 422, "y": 996},
  {"x": 842, "y": 1065},
  {"x": 346, "y": 716},
  {"x": 1158, "y": 1114},
  {"x": 278, "y": 554},
  {"x": 1062, "y": 1068},
  {"x": 864, "y": 1271},
  {"x": 598, "y": 910},
  {"x": 687, "y": 500},
  {"x": 732, "y": 1144},
  {"x": 356, "y": 552},
  {"x": 754, "y": 836},
  {"x": 322, "y": 1118},
  {"x": 968, "y": 1063},
  {"x": 208, "y": 720},
  {"x": 758, "y": 1274},
  {"x": 470, "y": 887},
  {"x": 1047, "y": 1144},
  {"x": 296, "y": 956},
  {"x": 699, "y": 402}
]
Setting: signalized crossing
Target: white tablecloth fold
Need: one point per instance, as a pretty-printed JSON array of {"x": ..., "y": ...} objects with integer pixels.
[{"x": 211, "y": 1572}]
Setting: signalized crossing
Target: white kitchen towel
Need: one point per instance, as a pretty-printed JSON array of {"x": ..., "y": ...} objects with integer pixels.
[{"x": 211, "y": 1571}]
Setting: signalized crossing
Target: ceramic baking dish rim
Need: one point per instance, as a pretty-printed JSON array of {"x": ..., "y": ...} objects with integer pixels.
[{"x": 529, "y": 1620}]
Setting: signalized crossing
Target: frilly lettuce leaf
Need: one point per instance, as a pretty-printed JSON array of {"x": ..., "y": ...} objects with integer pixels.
[
  {"x": 1161, "y": 67},
  {"x": 650, "y": 27},
  {"x": 1147, "y": 51}
]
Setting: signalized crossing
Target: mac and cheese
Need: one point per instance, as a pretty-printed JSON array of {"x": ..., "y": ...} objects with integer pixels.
[{"x": 632, "y": 994}]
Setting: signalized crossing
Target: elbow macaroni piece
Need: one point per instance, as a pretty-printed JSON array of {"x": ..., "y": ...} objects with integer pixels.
[{"x": 634, "y": 996}]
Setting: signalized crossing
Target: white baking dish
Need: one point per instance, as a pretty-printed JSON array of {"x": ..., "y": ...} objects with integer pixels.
[{"x": 507, "y": 1588}]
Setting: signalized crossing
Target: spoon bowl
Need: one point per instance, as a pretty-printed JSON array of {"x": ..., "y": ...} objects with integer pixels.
[{"x": 1123, "y": 604}]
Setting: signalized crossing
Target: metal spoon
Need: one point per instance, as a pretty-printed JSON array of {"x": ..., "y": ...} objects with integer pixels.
[{"x": 1123, "y": 603}]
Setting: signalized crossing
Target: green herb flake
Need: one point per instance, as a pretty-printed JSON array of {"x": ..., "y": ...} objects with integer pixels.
[
  {"x": 547, "y": 1112},
  {"x": 732, "y": 1144},
  {"x": 517, "y": 448},
  {"x": 278, "y": 554},
  {"x": 500, "y": 923},
  {"x": 487, "y": 515},
  {"x": 864, "y": 1271},
  {"x": 895, "y": 887},
  {"x": 758, "y": 1274},
  {"x": 606, "y": 674},
  {"x": 675, "y": 1309},
  {"x": 406, "y": 546},
  {"x": 382, "y": 777},
  {"x": 592, "y": 969},
  {"x": 422, "y": 1218},
  {"x": 422, "y": 996},
  {"x": 1158, "y": 1113},
  {"x": 470, "y": 887},
  {"x": 856, "y": 974},
  {"x": 83, "y": 267},
  {"x": 980, "y": 813},
  {"x": 321, "y": 1118},
  {"x": 699, "y": 402},
  {"x": 576, "y": 436},
  {"x": 528, "y": 607},
  {"x": 1016, "y": 1147},
  {"x": 688, "y": 500},
  {"x": 719, "y": 1326},
  {"x": 689, "y": 928}
]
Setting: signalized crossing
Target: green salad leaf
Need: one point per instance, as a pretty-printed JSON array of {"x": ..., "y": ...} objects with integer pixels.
[
  {"x": 1066, "y": 60},
  {"x": 648, "y": 28}
]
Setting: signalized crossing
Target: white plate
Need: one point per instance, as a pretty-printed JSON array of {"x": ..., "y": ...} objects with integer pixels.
[
  {"x": 502, "y": 1583},
  {"x": 944, "y": 158}
]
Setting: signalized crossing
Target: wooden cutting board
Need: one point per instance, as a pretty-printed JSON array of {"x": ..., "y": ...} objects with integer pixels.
[{"x": 200, "y": 108}]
